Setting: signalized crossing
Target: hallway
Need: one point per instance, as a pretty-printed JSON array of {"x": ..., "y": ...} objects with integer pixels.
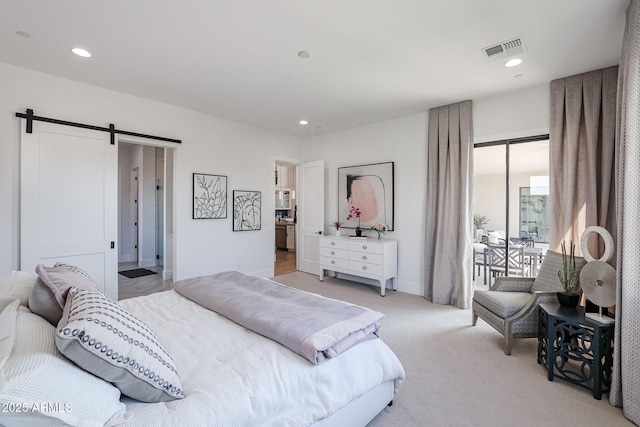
[{"x": 145, "y": 285}]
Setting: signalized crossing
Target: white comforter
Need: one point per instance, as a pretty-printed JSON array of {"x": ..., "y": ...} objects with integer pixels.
[{"x": 234, "y": 377}]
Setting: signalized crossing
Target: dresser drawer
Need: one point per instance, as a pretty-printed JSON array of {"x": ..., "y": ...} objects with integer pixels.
[
  {"x": 363, "y": 267},
  {"x": 334, "y": 253},
  {"x": 334, "y": 243},
  {"x": 366, "y": 246},
  {"x": 369, "y": 258},
  {"x": 333, "y": 262}
]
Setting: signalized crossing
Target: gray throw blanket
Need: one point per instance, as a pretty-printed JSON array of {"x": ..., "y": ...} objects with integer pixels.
[{"x": 315, "y": 327}]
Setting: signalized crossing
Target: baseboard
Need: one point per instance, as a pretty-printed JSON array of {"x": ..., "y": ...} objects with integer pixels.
[
  {"x": 402, "y": 285},
  {"x": 167, "y": 274},
  {"x": 147, "y": 263},
  {"x": 411, "y": 287},
  {"x": 267, "y": 273}
]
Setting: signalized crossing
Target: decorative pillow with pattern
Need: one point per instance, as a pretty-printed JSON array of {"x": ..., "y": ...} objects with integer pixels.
[
  {"x": 103, "y": 338},
  {"x": 50, "y": 291}
]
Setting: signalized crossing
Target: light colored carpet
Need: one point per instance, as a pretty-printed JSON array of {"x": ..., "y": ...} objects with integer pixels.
[{"x": 458, "y": 374}]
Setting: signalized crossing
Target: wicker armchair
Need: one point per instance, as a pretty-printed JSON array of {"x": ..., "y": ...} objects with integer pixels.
[{"x": 511, "y": 304}]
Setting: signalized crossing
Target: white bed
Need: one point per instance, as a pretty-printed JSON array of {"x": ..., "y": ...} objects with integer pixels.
[
  {"x": 232, "y": 376},
  {"x": 238, "y": 378}
]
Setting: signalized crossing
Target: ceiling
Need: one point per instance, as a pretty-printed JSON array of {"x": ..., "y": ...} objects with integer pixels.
[{"x": 371, "y": 60}]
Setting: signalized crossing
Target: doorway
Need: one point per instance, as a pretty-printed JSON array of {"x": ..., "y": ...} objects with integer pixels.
[
  {"x": 286, "y": 217},
  {"x": 511, "y": 187},
  {"x": 145, "y": 218}
]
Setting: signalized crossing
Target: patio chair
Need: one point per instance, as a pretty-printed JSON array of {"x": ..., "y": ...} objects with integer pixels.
[
  {"x": 506, "y": 262},
  {"x": 510, "y": 306},
  {"x": 480, "y": 259}
]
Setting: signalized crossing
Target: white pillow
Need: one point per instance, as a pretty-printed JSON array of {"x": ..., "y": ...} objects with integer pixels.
[
  {"x": 103, "y": 338},
  {"x": 17, "y": 284},
  {"x": 7, "y": 328},
  {"x": 41, "y": 387},
  {"x": 494, "y": 240}
]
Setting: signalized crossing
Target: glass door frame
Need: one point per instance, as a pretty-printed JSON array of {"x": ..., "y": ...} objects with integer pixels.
[{"x": 507, "y": 143}]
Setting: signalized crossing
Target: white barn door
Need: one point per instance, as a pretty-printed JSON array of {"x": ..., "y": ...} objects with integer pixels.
[
  {"x": 68, "y": 204},
  {"x": 310, "y": 215}
]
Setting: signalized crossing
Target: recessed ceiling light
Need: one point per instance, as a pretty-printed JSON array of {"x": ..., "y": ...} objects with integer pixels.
[
  {"x": 304, "y": 54},
  {"x": 303, "y": 122},
  {"x": 513, "y": 62},
  {"x": 23, "y": 34},
  {"x": 81, "y": 52}
]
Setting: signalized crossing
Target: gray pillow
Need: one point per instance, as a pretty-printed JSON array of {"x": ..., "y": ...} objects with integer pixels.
[
  {"x": 50, "y": 290},
  {"x": 101, "y": 337}
]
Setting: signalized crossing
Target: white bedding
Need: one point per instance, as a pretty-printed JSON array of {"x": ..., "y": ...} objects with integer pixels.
[{"x": 234, "y": 377}]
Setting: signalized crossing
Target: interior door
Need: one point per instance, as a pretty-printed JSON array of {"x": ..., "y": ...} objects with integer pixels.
[
  {"x": 69, "y": 201},
  {"x": 310, "y": 215},
  {"x": 133, "y": 203}
]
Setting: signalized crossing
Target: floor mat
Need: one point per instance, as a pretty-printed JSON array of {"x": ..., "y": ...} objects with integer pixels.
[{"x": 138, "y": 272}]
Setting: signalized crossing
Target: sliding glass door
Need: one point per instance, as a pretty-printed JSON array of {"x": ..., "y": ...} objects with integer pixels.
[{"x": 511, "y": 197}]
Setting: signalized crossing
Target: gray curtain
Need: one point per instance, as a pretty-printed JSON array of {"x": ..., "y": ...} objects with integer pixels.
[
  {"x": 581, "y": 156},
  {"x": 625, "y": 387},
  {"x": 448, "y": 217}
]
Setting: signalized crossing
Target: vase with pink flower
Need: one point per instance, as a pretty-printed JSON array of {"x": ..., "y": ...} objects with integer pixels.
[
  {"x": 337, "y": 226},
  {"x": 380, "y": 229},
  {"x": 354, "y": 213}
]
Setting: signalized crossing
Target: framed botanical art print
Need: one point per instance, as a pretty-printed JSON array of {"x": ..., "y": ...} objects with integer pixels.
[
  {"x": 209, "y": 196},
  {"x": 369, "y": 190},
  {"x": 247, "y": 210}
]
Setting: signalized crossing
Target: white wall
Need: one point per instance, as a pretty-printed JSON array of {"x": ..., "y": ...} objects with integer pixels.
[
  {"x": 511, "y": 115},
  {"x": 210, "y": 145},
  {"x": 167, "y": 267},
  {"x": 403, "y": 141},
  {"x": 245, "y": 154}
]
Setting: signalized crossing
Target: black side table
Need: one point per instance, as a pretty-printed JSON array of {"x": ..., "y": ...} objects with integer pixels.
[{"x": 574, "y": 348}]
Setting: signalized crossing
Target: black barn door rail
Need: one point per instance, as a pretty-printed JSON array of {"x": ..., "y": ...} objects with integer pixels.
[{"x": 111, "y": 129}]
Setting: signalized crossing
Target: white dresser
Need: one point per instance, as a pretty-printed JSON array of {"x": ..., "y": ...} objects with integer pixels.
[{"x": 371, "y": 258}]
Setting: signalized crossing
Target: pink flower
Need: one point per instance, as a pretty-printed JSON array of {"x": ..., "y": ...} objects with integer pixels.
[
  {"x": 379, "y": 227},
  {"x": 354, "y": 213}
]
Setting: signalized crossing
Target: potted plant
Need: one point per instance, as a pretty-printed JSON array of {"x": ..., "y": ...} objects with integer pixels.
[
  {"x": 337, "y": 225},
  {"x": 570, "y": 295},
  {"x": 479, "y": 221},
  {"x": 354, "y": 213},
  {"x": 379, "y": 228}
]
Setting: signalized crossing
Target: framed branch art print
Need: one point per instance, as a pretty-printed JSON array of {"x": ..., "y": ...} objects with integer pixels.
[
  {"x": 367, "y": 189},
  {"x": 247, "y": 210},
  {"x": 209, "y": 196}
]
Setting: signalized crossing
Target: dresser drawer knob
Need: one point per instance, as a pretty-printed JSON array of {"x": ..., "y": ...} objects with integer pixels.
[
  {"x": 333, "y": 252},
  {"x": 364, "y": 257},
  {"x": 333, "y": 243},
  {"x": 364, "y": 247},
  {"x": 364, "y": 267},
  {"x": 333, "y": 262}
]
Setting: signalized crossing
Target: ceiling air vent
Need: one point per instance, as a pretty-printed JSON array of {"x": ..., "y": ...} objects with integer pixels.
[{"x": 505, "y": 50}]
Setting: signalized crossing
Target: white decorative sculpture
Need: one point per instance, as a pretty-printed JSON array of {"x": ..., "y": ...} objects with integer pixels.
[{"x": 597, "y": 278}]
